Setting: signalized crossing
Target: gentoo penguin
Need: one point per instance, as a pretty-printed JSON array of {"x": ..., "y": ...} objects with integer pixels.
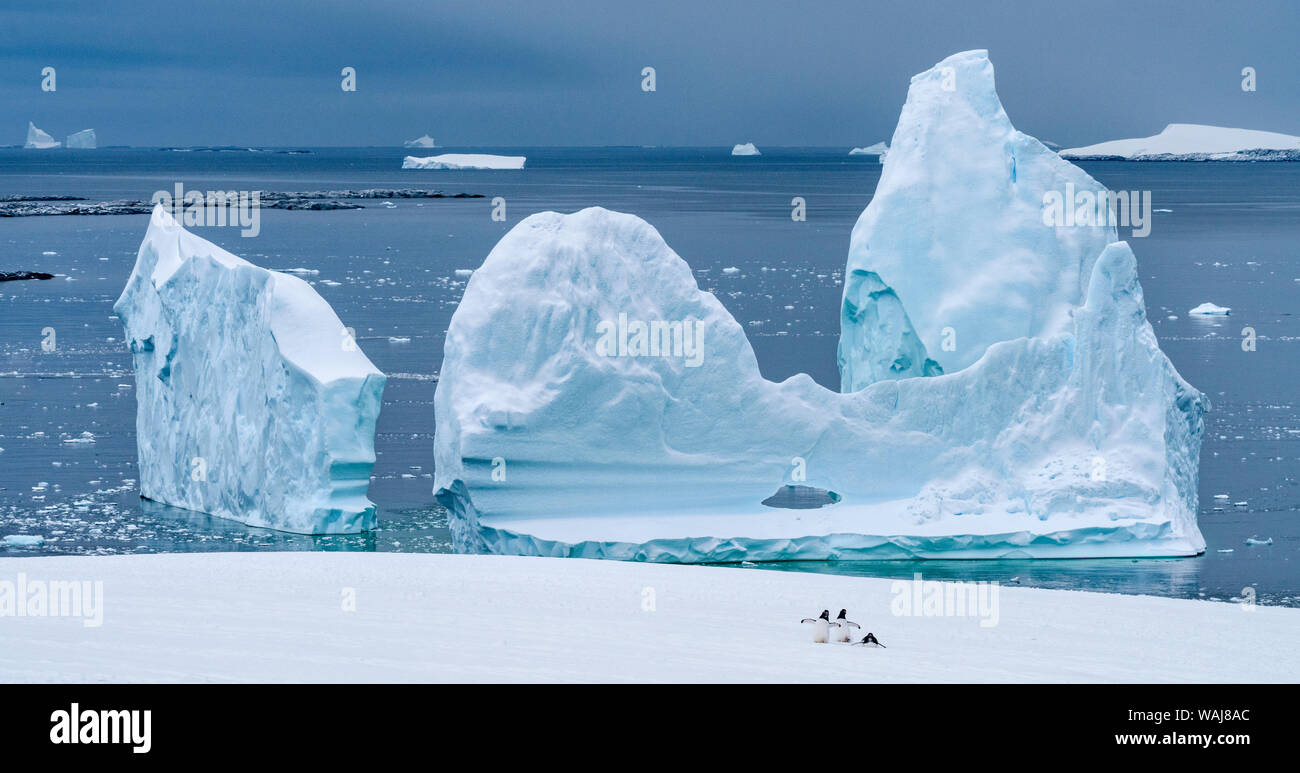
[
  {"x": 842, "y": 625},
  {"x": 821, "y": 626},
  {"x": 869, "y": 640}
]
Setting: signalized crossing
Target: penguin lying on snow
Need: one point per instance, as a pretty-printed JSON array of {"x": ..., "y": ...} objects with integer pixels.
[
  {"x": 842, "y": 625},
  {"x": 869, "y": 640},
  {"x": 821, "y": 626}
]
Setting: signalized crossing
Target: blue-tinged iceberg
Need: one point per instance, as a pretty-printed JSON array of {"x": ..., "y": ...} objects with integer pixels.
[
  {"x": 593, "y": 401},
  {"x": 38, "y": 139},
  {"x": 82, "y": 140},
  {"x": 254, "y": 403}
]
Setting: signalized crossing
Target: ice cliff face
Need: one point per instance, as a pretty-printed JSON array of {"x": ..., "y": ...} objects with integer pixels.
[
  {"x": 593, "y": 401},
  {"x": 253, "y": 401}
]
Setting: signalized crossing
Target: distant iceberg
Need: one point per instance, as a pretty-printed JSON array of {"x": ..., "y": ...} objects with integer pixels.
[
  {"x": 747, "y": 149},
  {"x": 420, "y": 142},
  {"x": 465, "y": 161},
  {"x": 253, "y": 402},
  {"x": 1210, "y": 310},
  {"x": 1004, "y": 394},
  {"x": 82, "y": 140},
  {"x": 1195, "y": 142},
  {"x": 878, "y": 149},
  {"x": 39, "y": 140}
]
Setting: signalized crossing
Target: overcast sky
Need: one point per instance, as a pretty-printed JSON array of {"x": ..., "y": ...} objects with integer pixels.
[{"x": 518, "y": 73}]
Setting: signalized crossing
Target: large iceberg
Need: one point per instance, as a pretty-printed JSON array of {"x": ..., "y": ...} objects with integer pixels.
[
  {"x": 746, "y": 149},
  {"x": 82, "y": 140},
  {"x": 1196, "y": 142},
  {"x": 254, "y": 403},
  {"x": 39, "y": 140},
  {"x": 465, "y": 161},
  {"x": 594, "y": 402},
  {"x": 424, "y": 141}
]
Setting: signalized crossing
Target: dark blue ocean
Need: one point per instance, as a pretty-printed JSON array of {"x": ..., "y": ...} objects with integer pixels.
[{"x": 1225, "y": 233}]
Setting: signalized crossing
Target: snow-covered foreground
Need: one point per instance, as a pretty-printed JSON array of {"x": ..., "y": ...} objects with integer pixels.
[{"x": 419, "y": 617}]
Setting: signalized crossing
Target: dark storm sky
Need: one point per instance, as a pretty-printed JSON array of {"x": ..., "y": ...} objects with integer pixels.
[{"x": 533, "y": 73}]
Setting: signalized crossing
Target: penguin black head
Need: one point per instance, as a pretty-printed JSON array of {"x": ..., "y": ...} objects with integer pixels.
[
  {"x": 826, "y": 614},
  {"x": 843, "y": 614}
]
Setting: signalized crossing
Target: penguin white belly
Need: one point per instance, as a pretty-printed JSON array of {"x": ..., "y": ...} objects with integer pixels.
[
  {"x": 821, "y": 629},
  {"x": 841, "y": 633}
]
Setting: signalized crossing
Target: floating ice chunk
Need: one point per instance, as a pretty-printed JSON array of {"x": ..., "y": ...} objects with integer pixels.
[
  {"x": 1210, "y": 310},
  {"x": 747, "y": 149},
  {"x": 420, "y": 142},
  {"x": 879, "y": 149},
  {"x": 82, "y": 140},
  {"x": 23, "y": 540},
  {"x": 464, "y": 273},
  {"x": 254, "y": 403},
  {"x": 39, "y": 140},
  {"x": 464, "y": 161},
  {"x": 1258, "y": 541}
]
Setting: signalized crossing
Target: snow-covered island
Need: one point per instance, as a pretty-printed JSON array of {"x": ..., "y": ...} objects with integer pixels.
[
  {"x": 82, "y": 140},
  {"x": 746, "y": 149},
  {"x": 253, "y": 401},
  {"x": 277, "y": 617},
  {"x": 879, "y": 149},
  {"x": 419, "y": 142},
  {"x": 1195, "y": 142},
  {"x": 465, "y": 161},
  {"x": 584, "y": 367},
  {"x": 39, "y": 140}
]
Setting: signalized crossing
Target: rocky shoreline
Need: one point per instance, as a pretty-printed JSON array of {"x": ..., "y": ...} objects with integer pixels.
[{"x": 43, "y": 206}]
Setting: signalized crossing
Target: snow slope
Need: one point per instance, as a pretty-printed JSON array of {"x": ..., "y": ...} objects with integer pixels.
[
  {"x": 464, "y": 161},
  {"x": 1059, "y": 430},
  {"x": 39, "y": 140},
  {"x": 1195, "y": 142},
  {"x": 278, "y": 617},
  {"x": 253, "y": 401}
]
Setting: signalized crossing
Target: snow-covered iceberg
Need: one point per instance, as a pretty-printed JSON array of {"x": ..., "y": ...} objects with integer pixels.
[
  {"x": 39, "y": 140},
  {"x": 254, "y": 403},
  {"x": 1195, "y": 142},
  {"x": 465, "y": 161},
  {"x": 1208, "y": 309},
  {"x": 746, "y": 149},
  {"x": 82, "y": 140},
  {"x": 879, "y": 149},
  {"x": 420, "y": 142},
  {"x": 593, "y": 401}
]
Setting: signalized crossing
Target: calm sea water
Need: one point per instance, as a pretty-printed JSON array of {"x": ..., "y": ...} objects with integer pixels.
[{"x": 1230, "y": 235}]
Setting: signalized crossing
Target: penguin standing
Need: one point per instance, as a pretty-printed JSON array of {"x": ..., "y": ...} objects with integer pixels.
[
  {"x": 869, "y": 640},
  {"x": 821, "y": 626},
  {"x": 842, "y": 625}
]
